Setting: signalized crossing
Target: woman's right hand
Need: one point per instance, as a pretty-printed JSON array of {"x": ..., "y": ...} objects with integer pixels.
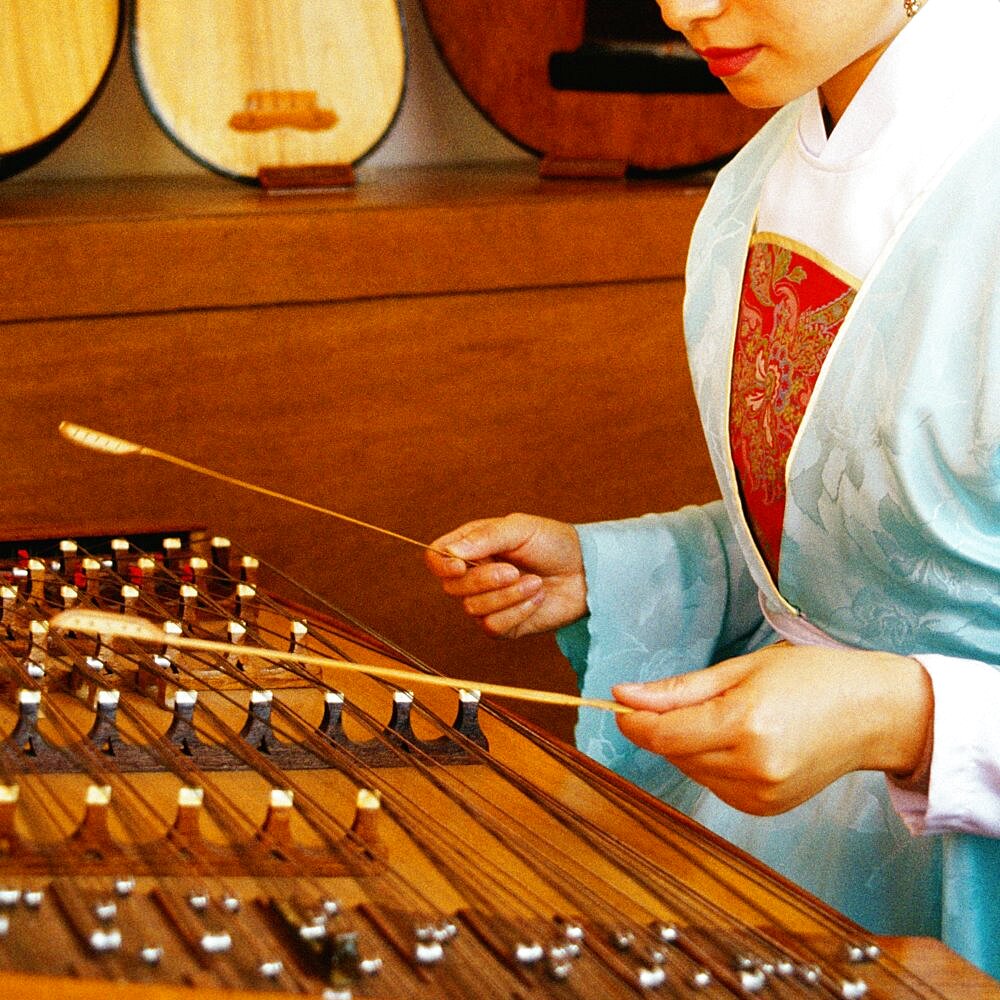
[{"x": 517, "y": 575}]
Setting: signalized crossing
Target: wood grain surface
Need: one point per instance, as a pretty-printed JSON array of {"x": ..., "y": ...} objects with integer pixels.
[{"x": 54, "y": 55}]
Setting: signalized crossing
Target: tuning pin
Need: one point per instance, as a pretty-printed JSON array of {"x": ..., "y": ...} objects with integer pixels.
[
  {"x": 257, "y": 727},
  {"x": 467, "y": 717},
  {"x": 222, "y": 560},
  {"x": 222, "y": 553},
  {"x": 171, "y": 555},
  {"x": 9, "y": 838},
  {"x": 25, "y": 735},
  {"x": 119, "y": 556},
  {"x": 104, "y": 732},
  {"x": 237, "y": 633},
  {"x": 331, "y": 725},
  {"x": 189, "y": 602},
  {"x": 69, "y": 595},
  {"x": 199, "y": 572},
  {"x": 297, "y": 632},
  {"x": 187, "y": 823},
  {"x": 38, "y": 642},
  {"x": 91, "y": 569},
  {"x": 68, "y": 550},
  {"x": 366, "y": 820},
  {"x": 143, "y": 574},
  {"x": 276, "y": 828},
  {"x": 36, "y": 579},
  {"x": 246, "y": 602},
  {"x": 249, "y": 570},
  {"x": 93, "y": 833},
  {"x": 171, "y": 652},
  {"x": 130, "y": 597},
  {"x": 181, "y": 731},
  {"x": 399, "y": 722},
  {"x": 8, "y": 595}
]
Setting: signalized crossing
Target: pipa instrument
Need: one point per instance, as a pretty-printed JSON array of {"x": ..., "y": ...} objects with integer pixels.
[
  {"x": 54, "y": 57},
  {"x": 178, "y": 823},
  {"x": 288, "y": 94}
]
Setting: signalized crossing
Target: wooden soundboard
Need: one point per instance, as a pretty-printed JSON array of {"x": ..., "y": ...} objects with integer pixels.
[
  {"x": 179, "y": 824},
  {"x": 289, "y": 94},
  {"x": 54, "y": 59}
]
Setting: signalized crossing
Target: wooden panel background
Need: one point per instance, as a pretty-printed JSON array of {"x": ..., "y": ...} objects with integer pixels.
[{"x": 475, "y": 346}]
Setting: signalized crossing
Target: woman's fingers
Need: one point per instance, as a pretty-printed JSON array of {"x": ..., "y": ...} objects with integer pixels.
[
  {"x": 515, "y": 574},
  {"x": 684, "y": 689},
  {"x": 492, "y": 601},
  {"x": 516, "y": 620},
  {"x": 485, "y": 538}
]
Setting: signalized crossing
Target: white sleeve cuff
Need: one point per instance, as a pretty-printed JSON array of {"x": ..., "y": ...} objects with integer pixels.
[{"x": 964, "y": 791}]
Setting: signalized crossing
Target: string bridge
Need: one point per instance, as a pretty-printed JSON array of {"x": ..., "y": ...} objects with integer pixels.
[{"x": 218, "y": 711}]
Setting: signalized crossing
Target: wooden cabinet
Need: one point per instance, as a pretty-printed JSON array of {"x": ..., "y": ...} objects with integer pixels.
[{"x": 430, "y": 346}]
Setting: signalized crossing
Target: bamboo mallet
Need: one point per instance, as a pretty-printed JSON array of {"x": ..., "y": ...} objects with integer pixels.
[{"x": 110, "y": 625}]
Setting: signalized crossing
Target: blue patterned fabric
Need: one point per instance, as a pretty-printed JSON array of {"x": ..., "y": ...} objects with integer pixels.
[{"x": 891, "y": 536}]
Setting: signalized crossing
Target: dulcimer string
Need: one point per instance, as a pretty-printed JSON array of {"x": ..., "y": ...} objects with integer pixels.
[
  {"x": 359, "y": 771},
  {"x": 766, "y": 882},
  {"x": 260, "y": 762},
  {"x": 110, "y": 623},
  {"x": 472, "y": 748},
  {"x": 231, "y": 648},
  {"x": 225, "y": 811},
  {"x": 130, "y": 805},
  {"x": 75, "y": 622}
]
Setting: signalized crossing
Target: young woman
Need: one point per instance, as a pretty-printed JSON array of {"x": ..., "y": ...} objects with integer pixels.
[{"x": 816, "y": 658}]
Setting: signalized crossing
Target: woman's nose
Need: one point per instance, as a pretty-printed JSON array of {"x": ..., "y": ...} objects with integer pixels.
[{"x": 681, "y": 14}]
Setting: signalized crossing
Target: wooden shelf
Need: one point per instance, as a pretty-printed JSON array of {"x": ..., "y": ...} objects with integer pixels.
[{"x": 131, "y": 246}]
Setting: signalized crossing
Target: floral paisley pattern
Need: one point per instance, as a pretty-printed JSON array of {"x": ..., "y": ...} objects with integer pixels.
[{"x": 790, "y": 311}]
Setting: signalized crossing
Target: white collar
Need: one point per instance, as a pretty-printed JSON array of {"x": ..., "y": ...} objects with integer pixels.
[{"x": 942, "y": 64}]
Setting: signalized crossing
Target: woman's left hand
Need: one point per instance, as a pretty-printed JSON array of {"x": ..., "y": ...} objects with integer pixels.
[{"x": 769, "y": 730}]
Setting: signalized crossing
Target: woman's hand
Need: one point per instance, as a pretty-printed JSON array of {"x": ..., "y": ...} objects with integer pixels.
[
  {"x": 769, "y": 730},
  {"x": 527, "y": 577}
]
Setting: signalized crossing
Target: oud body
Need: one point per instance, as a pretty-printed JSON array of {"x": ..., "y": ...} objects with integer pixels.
[{"x": 589, "y": 83}]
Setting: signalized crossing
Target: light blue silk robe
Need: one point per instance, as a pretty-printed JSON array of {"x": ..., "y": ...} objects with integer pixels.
[{"x": 891, "y": 536}]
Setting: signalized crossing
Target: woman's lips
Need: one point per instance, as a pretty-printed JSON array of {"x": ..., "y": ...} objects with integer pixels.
[{"x": 728, "y": 62}]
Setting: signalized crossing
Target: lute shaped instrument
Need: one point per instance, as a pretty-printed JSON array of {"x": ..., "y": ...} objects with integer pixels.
[{"x": 289, "y": 94}]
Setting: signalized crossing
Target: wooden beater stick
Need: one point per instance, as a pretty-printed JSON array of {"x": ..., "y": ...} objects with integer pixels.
[
  {"x": 108, "y": 624},
  {"x": 109, "y": 445}
]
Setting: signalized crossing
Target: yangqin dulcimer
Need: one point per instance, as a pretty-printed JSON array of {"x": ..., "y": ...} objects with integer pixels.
[{"x": 178, "y": 823}]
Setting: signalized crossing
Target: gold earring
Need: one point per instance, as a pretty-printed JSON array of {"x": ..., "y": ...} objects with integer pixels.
[{"x": 912, "y": 6}]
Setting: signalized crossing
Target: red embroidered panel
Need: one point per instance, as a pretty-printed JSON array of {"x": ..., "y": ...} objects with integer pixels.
[{"x": 790, "y": 312}]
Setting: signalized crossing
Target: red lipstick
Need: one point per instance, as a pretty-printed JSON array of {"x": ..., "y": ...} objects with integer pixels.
[{"x": 728, "y": 62}]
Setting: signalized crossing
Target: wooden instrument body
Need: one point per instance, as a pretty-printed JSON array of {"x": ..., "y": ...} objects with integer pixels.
[
  {"x": 509, "y": 838},
  {"x": 54, "y": 57},
  {"x": 240, "y": 85},
  {"x": 499, "y": 54}
]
